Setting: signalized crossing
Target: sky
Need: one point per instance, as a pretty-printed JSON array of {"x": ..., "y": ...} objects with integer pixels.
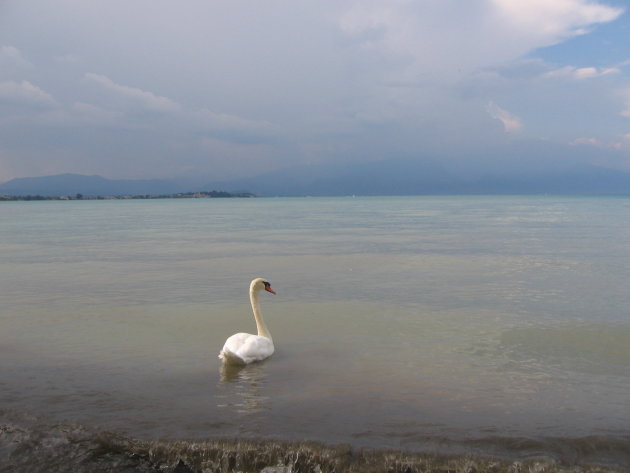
[{"x": 237, "y": 88}]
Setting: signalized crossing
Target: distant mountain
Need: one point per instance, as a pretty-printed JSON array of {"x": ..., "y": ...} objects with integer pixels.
[
  {"x": 391, "y": 177},
  {"x": 583, "y": 179},
  {"x": 72, "y": 184},
  {"x": 411, "y": 177}
]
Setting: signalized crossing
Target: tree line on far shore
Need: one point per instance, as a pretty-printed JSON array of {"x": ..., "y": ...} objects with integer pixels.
[{"x": 181, "y": 195}]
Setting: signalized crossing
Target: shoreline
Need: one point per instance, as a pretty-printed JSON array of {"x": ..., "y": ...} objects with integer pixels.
[
  {"x": 28, "y": 445},
  {"x": 180, "y": 195}
]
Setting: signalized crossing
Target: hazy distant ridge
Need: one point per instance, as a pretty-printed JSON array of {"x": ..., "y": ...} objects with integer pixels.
[
  {"x": 410, "y": 177},
  {"x": 392, "y": 177},
  {"x": 71, "y": 184}
]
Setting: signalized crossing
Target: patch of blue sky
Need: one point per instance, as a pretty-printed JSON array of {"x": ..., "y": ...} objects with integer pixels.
[{"x": 605, "y": 45}]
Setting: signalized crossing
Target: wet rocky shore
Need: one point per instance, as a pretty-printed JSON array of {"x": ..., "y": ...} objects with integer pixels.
[{"x": 75, "y": 449}]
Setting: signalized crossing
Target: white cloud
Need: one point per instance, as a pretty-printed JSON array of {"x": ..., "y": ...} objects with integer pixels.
[
  {"x": 443, "y": 40},
  {"x": 24, "y": 93},
  {"x": 148, "y": 99},
  {"x": 227, "y": 126},
  {"x": 511, "y": 123},
  {"x": 586, "y": 141},
  {"x": 547, "y": 22},
  {"x": 581, "y": 73},
  {"x": 621, "y": 143}
]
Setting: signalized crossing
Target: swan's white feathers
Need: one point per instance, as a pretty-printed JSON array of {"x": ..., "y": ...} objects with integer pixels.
[{"x": 245, "y": 348}]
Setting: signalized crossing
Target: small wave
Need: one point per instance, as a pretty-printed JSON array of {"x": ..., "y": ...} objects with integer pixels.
[{"x": 62, "y": 448}]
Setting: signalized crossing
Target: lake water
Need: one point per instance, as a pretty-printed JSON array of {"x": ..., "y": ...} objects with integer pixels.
[{"x": 484, "y": 325}]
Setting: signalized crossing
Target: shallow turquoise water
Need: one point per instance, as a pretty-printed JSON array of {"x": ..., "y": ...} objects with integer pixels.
[{"x": 398, "y": 321}]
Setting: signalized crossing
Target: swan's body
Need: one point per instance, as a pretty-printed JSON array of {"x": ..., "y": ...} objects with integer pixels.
[{"x": 245, "y": 348}]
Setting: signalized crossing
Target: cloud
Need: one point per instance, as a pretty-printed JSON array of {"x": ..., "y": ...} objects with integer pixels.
[
  {"x": 147, "y": 99},
  {"x": 67, "y": 59},
  {"x": 581, "y": 73},
  {"x": 620, "y": 143},
  {"x": 294, "y": 82},
  {"x": 94, "y": 114},
  {"x": 24, "y": 93},
  {"x": 11, "y": 57},
  {"x": 205, "y": 119},
  {"x": 624, "y": 93},
  {"x": 251, "y": 158},
  {"x": 446, "y": 40},
  {"x": 586, "y": 141},
  {"x": 511, "y": 123},
  {"x": 225, "y": 122},
  {"x": 547, "y": 22}
]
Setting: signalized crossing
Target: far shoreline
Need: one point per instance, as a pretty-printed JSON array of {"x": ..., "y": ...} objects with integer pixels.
[{"x": 180, "y": 195}]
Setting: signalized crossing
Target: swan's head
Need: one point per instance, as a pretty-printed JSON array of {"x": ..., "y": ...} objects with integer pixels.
[{"x": 259, "y": 284}]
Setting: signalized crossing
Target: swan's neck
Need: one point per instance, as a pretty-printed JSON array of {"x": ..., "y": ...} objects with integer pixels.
[{"x": 263, "y": 331}]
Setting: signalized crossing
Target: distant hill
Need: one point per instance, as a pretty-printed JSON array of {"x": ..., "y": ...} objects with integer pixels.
[
  {"x": 72, "y": 184},
  {"x": 391, "y": 177},
  {"x": 579, "y": 180},
  {"x": 411, "y": 177}
]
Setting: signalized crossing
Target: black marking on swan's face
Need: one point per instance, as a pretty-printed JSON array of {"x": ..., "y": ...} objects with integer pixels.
[{"x": 268, "y": 287}]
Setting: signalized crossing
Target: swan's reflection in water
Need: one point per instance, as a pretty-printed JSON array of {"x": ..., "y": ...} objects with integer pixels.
[{"x": 242, "y": 388}]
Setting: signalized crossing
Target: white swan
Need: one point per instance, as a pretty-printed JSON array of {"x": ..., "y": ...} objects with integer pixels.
[{"x": 244, "y": 348}]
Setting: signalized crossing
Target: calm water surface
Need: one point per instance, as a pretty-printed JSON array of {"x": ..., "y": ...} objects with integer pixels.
[{"x": 398, "y": 322}]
